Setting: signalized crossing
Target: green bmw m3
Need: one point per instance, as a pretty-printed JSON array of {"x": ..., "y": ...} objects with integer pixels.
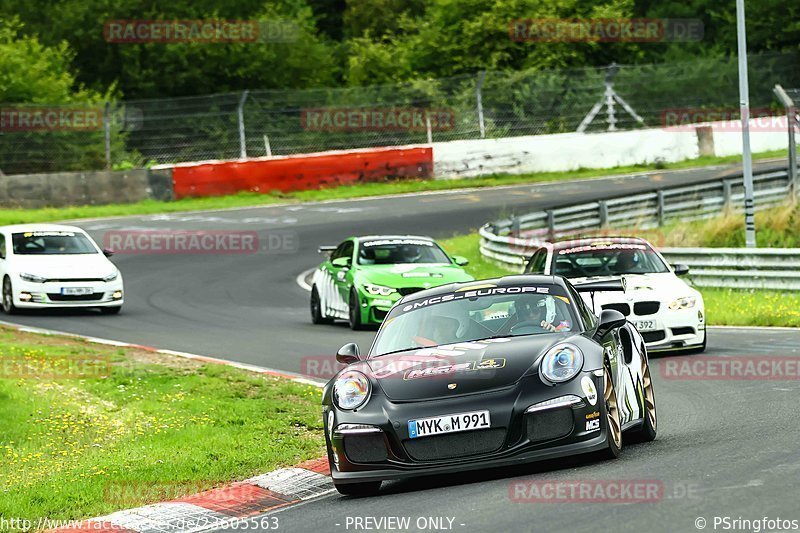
[{"x": 363, "y": 277}]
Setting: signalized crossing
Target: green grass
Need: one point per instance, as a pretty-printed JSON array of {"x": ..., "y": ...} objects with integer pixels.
[
  {"x": 152, "y": 426},
  {"x": 724, "y": 307},
  {"x": 246, "y": 199}
]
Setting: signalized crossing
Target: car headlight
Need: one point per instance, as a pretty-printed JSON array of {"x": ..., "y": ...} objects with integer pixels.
[
  {"x": 378, "y": 290},
  {"x": 111, "y": 277},
  {"x": 683, "y": 303},
  {"x": 561, "y": 363},
  {"x": 351, "y": 390},
  {"x": 32, "y": 278}
]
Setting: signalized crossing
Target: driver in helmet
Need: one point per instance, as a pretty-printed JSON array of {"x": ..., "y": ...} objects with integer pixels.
[{"x": 410, "y": 253}]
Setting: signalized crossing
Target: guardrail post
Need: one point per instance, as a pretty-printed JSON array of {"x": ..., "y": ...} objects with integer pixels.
[
  {"x": 514, "y": 231},
  {"x": 727, "y": 193},
  {"x": 660, "y": 213},
  {"x": 240, "y": 117},
  {"x": 107, "y": 133},
  {"x": 551, "y": 225},
  {"x": 603, "y": 212},
  {"x": 479, "y": 102}
]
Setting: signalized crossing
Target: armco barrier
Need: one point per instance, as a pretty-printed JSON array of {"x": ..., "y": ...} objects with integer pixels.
[
  {"x": 295, "y": 173},
  {"x": 85, "y": 188}
]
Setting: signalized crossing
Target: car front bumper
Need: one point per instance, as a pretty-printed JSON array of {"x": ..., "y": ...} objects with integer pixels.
[
  {"x": 29, "y": 295},
  {"x": 387, "y": 451},
  {"x": 677, "y": 330}
]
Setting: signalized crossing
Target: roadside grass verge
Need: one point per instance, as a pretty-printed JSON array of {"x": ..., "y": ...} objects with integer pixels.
[
  {"x": 724, "y": 307},
  {"x": 136, "y": 427},
  {"x": 247, "y": 199}
]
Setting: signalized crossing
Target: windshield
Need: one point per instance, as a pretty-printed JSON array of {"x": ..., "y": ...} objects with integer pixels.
[
  {"x": 607, "y": 259},
  {"x": 399, "y": 251},
  {"x": 475, "y": 314},
  {"x": 52, "y": 243}
]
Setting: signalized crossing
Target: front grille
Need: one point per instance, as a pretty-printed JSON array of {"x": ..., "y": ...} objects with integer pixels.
[
  {"x": 625, "y": 309},
  {"x": 549, "y": 425},
  {"x": 646, "y": 308},
  {"x": 683, "y": 331},
  {"x": 654, "y": 336},
  {"x": 455, "y": 445},
  {"x": 56, "y": 297},
  {"x": 405, "y": 291},
  {"x": 369, "y": 448},
  {"x": 71, "y": 280}
]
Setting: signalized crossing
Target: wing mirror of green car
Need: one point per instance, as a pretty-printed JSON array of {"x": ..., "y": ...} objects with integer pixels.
[
  {"x": 341, "y": 262},
  {"x": 460, "y": 260},
  {"x": 349, "y": 353}
]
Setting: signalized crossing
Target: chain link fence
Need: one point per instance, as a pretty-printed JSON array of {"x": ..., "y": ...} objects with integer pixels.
[{"x": 484, "y": 105}]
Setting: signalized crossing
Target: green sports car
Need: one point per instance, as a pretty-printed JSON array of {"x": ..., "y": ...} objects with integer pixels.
[{"x": 364, "y": 276}]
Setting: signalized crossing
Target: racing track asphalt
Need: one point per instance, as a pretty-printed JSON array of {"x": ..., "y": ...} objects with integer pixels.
[{"x": 733, "y": 444}]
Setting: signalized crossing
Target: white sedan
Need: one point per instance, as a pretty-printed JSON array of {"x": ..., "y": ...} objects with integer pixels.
[
  {"x": 668, "y": 312},
  {"x": 48, "y": 265}
]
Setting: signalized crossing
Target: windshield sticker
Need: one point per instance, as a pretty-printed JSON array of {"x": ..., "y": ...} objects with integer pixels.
[
  {"x": 28, "y": 234},
  {"x": 474, "y": 294},
  {"x": 384, "y": 242},
  {"x": 602, "y": 247}
]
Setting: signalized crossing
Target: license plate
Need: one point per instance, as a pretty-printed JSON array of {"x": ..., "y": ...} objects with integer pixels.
[
  {"x": 646, "y": 325},
  {"x": 437, "y": 425},
  {"x": 76, "y": 291}
]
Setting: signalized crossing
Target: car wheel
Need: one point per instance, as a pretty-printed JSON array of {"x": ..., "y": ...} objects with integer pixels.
[
  {"x": 358, "y": 489},
  {"x": 316, "y": 308},
  {"x": 354, "y": 313},
  {"x": 613, "y": 426},
  {"x": 650, "y": 424},
  {"x": 111, "y": 310},
  {"x": 8, "y": 297}
]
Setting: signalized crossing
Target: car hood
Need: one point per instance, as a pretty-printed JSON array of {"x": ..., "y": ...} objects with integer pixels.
[
  {"x": 64, "y": 266},
  {"x": 423, "y": 275},
  {"x": 425, "y": 373},
  {"x": 663, "y": 287}
]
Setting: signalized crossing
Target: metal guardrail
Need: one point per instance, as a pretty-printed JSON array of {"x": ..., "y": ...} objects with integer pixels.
[{"x": 512, "y": 241}]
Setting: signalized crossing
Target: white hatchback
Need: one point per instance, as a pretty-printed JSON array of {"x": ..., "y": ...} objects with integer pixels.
[
  {"x": 49, "y": 265},
  {"x": 668, "y": 312}
]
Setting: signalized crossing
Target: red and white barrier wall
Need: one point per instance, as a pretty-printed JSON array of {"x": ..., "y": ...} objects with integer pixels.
[
  {"x": 301, "y": 172},
  {"x": 464, "y": 159}
]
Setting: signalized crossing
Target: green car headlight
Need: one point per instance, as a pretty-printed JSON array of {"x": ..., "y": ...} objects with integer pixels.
[
  {"x": 561, "y": 363},
  {"x": 378, "y": 290}
]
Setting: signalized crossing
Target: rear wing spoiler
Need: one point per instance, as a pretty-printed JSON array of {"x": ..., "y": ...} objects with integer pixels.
[
  {"x": 606, "y": 285},
  {"x": 326, "y": 249}
]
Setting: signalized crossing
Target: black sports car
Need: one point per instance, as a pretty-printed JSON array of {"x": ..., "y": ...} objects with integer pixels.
[{"x": 486, "y": 374}]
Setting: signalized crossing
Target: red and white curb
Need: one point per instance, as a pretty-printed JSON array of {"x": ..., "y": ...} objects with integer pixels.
[
  {"x": 223, "y": 506},
  {"x": 298, "y": 378}
]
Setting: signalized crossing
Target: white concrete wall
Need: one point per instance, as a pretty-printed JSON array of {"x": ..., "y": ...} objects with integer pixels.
[{"x": 572, "y": 151}]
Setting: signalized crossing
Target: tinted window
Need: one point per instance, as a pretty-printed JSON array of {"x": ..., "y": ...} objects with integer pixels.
[
  {"x": 400, "y": 251},
  {"x": 52, "y": 243},
  {"x": 2, "y": 246},
  {"x": 536, "y": 264},
  {"x": 607, "y": 259},
  {"x": 470, "y": 315},
  {"x": 344, "y": 250}
]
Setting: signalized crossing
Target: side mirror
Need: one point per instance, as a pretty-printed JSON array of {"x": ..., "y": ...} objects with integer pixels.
[
  {"x": 680, "y": 270},
  {"x": 107, "y": 252},
  {"x": 349, "y": 353},
  {"x": 460, "y": 260},
  {"x": 609, "y": 319},
  {"x": 341, "y": 262}
]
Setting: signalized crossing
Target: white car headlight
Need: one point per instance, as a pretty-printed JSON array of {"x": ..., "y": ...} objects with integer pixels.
[
  {"x": 111, "y": 277},
  {"x": 683, "y": 303},
  {"x": 351, "y": 390},
  {"x": 561, "y": 363},
  {"x": 32, "y": 278},
  {"x": 378, "y": 290}
]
